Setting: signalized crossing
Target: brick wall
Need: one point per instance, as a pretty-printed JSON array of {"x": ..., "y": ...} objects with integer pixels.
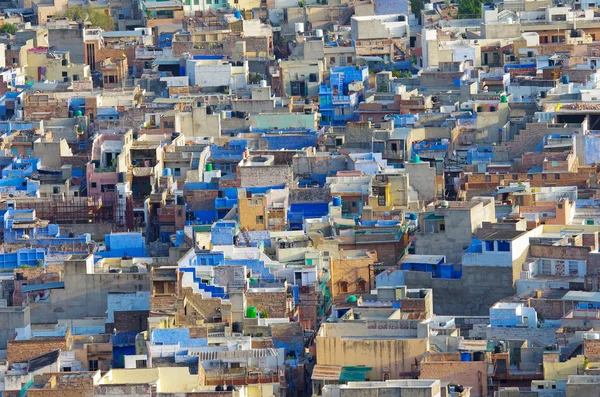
[
  {"x": 129, "y": 321},
  {"x": 23, "y": 350},
  {"x": 273, "y": 303},
  {"x": 543, "y": 336},
  {"x": 591, "y": 350},
  {"x": 458, "y": 372}
]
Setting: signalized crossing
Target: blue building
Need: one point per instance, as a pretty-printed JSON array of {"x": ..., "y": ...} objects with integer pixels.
[
  {"x": 23, "y": 226},
  {"x": 337, "y": 102},
  {"x": 121, "y": 244}
]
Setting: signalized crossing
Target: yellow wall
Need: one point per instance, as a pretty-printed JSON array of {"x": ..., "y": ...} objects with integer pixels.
[
  {"x": 263, "y": 390},
  {"x": 249, "y": 209},
  {"x": 561, "y": 371},
  {"x": 395, "y": 355},
  {"x": 54, "y": 68}
]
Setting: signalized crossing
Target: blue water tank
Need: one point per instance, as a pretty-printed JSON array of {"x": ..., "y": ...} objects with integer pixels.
[
  {"x": 167, "y": 172},
  {"x": 565, "y": 79},
  {"x": 237, "y": 14},
  {"x": 337, "y": 201},
  {"x": 465, "y": 356}
]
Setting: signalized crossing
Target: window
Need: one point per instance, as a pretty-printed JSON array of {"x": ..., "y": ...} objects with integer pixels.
[
  {"x": 442, "y": 227},
  {"x": 489, "y": 246},
  {"x": 260, "y": 219},
  {"x": 94, "y": 185},
  {"x": 349, "y": 59},
  {"x": 573, "y": 268},
  {"x": 67, "y": 369},
  {"x": 361, "y": 285},
  {"x": 65, "y": 74},
  {"x": 140, "y": 363},
  {"x": 488, "y": 178},
  {"x": 503, "y": 246},
  {"x": 177, "y": 172},
  {"x": 332, "y": 60},
  {"x": 343, "y": 286},
  {"x": 515, "y": 177},
  {"x": 546, "y": 267},
  {"x": 394, "y": 147},
  {"x": 544, "y": 177},
  {"x": 93, "y": 365}
]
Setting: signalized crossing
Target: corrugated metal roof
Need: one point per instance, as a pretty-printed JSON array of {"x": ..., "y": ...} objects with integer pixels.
[
  {"x": 474, "y": 345},
  {"x": 42, "y": 287},
  {"x": 326, "y": 372},
  {"x": 582, "y": 296},
  {"x": 233, "y": 354}
]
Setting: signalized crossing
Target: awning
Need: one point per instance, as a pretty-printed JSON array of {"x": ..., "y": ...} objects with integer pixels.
[
  {"x": 354, "y": 374},
  {"x": 143, "y": 171},
  {"x": 326, "y": 372}
]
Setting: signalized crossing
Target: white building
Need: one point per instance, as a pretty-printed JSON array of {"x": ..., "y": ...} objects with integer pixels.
[
  {"x": 375, "y": 27},
  {"x": 213, "y": 73}
]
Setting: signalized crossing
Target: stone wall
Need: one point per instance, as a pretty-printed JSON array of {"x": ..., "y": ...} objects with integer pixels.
[
  {"x": 472, "y": 295},
  {"x": 539, "y": 336},
  {"x": 19, "y": 351},
  {"x": 273, "y": 303}
]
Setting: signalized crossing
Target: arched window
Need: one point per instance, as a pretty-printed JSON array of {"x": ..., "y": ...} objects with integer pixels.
[
  {"x": 361, "y": 285},
  {"x": 343, "y": 286}
]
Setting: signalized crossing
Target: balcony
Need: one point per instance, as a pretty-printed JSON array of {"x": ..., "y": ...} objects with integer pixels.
[
  {"x": 149, "y": 53},
  {"x": 242, "y": 376}
]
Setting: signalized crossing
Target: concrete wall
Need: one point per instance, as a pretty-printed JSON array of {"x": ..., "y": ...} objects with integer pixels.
[
  {"x": 68, "y": 40},
  {"x": 539, "y": 336},
  {"x": 394, "y": 355},
  {"x": 85, "y": 295},
  {"x": 422, "y": 179},
  {"x": 10, "y": 319},
  {"x": 472, "y": 295}
]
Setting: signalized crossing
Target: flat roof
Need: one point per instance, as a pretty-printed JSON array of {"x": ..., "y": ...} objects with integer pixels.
[
  {"x": 503, "y": 235},
  {"x": 582, "y": 296},
  {"x": 429, "y": 259}
]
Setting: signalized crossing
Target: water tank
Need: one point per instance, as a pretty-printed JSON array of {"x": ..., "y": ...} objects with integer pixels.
[
  {"x": 465, "y": 356},
  {"x": 236, "y": 327},
  {"x": 478, "y": 356},
  {"x": 566, "y": 79},
  {"x": 219, "y": 388},
  {"x": 428, "y": 7},
  {"x": 78, "y": 113},
  {"x": 357, "y": 316},
  {"x": 351, "y": 299},
  {"x": 398, "y": 90},
  {"x": 319, "y": 32},
  {"x": 444, "y": 204},
  {"x": 237, "y": 14},
  {"x": 251, "y": 312},
  {"x": 299, "y": 27},
  {"x": 263, "y": 83},
  {"x": 167, "y": 172},
  {"x": 230, "y": 388},
  {"x": 209, "y": 167},
  {"x": 337, "y": 201},
  {"x": 503, "y": 98},
  {"x": 416, "y": 158}
]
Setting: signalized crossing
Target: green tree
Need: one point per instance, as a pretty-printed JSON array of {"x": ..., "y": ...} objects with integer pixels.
[
  {"x": 416, "y": 6},
  {"x": 95, "y": 16},
  {"x": 8, "y": 28},
  {"x": 469, "y": 8}
]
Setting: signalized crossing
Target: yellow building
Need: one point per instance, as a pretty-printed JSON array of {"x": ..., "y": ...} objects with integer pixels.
[
  {"x": 166, "y": 379},
  {"x": 554, "y": 369},
  {"x": 389, "y": 346},
  {"x": 44, "y": 64},
  {"x": 263, "y": 211}
]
